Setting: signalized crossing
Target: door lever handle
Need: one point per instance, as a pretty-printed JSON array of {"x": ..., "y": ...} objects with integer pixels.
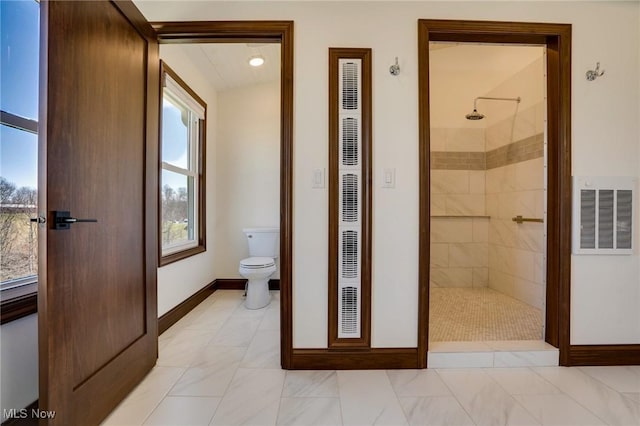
[
  {"x": 63, "y": 220},
  {"x": 74, "y": 220}
]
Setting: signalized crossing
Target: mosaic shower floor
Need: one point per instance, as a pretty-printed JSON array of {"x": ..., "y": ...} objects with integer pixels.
[{"x": 480, "y": 314}]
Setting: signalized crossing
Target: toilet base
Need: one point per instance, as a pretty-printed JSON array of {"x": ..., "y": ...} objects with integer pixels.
[{"x": 257, "y": 294}]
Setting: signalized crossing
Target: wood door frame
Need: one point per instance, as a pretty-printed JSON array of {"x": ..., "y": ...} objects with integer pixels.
[
  {"x": 273, "y": 32},
  {"x": 557, "y": 38}
]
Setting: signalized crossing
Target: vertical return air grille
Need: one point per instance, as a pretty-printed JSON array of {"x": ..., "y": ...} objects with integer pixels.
[
  {"x": 349, "y": 318},
  {"x": 350, "y": 141},
  {"x": 350, "y": 85},
  {"x": 349, "y": 170},
  {"x": 349, "y": 254},
  {"x": 349, "y": 198}
]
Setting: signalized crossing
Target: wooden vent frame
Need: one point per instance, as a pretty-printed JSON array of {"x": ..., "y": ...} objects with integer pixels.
[{"x": 363, "y": 341}]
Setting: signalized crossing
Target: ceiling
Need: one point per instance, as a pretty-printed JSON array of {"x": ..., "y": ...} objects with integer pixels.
[
  {"x": 459, "y": 72},
  {"x": 226, "y": 65}
]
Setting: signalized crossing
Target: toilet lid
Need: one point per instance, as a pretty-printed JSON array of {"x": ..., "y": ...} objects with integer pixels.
[{"x": 257, "y": 262}]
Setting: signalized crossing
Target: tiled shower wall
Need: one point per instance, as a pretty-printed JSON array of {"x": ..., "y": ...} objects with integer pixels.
[
  {"x": 459, "y": 237},
  {"x": 515, "y": 186}
]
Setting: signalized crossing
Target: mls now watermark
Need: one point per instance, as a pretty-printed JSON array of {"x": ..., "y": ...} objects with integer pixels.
[{"x": 24, "y": 413}]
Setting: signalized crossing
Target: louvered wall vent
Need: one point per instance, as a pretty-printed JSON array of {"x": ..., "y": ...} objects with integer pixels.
[
  {"x": 350, "y": 84},
  {"x": 603, "y": 215},
  {"x": 349, "y": 197},
  {"x": 349, "y": 255},
  {"x": 349, "y": 316},
  {"x": 350, "y": 141},
  {"x": 349, "y": 169}
]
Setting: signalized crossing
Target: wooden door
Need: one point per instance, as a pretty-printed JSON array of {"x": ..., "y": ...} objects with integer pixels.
[{"x": 98, "y": 158}]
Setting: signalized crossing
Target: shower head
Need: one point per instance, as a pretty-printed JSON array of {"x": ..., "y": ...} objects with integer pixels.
[{"x": 475, "y": 115}]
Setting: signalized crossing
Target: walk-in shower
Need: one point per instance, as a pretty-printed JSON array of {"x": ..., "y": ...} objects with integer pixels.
[{"x": 487, "y": 270}]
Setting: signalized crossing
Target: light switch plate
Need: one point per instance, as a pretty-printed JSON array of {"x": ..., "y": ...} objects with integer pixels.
[
  {"x": 389, "y": 178},
  {"x": 318, "y": 179}
]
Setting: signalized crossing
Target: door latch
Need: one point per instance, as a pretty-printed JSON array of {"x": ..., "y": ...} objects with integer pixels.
[
  {"x": 38, "y": 220},
  {"x": 63, "y": 220}
]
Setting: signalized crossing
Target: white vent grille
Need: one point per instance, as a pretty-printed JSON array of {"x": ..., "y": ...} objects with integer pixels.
[
  {"x": 350, "y": 85},
  {"x": 603, "y": 215},
  {"x": 588, "y": 219},
  {"x": 350, "y": 140},
  {"x": 350, "y": 202},
  {"x": 349, "y": 197},
  {"x": 624, "y": 219},
  {"x": 605, "y": 219},
  {"x": 349, "y": 312},
  {"x": 349, "y": 255}
]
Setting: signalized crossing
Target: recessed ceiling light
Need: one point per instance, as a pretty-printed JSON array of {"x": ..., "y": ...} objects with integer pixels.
[{"x": 256, "y": 61}]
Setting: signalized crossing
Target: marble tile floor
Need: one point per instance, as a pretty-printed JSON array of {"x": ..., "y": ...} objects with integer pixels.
[{"x": 219, "y": 365}]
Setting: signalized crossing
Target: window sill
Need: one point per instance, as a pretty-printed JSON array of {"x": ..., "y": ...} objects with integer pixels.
[
  {"x": 174, "y": 257},
  {"x": 18, "y": 302}
]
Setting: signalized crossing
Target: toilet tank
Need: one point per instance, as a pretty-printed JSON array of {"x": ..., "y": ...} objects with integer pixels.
[{"x": 263, "y": 242}]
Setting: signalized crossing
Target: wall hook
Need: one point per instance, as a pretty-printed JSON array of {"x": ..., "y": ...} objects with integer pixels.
[
  {"x": 395, "y": 68},
  {"x": 593, "y": 74}
]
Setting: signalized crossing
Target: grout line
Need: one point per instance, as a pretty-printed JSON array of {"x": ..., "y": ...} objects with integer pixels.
[
  {"x": 513, "y": 396},
  {"x": 215, "y": 410},
  {"x": 437, "y": 371},
  {"x": 583, "y": 371},
  {"x": 164, "y": 395},
  {"x": 393, "y": 389},
  {"x": 280, "y": 398},
  {"x": 566, "y": 394},
  {"x": 339, "y": 397}
]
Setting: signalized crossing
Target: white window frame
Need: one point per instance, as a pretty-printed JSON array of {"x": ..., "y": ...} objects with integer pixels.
[{"x": 176, "y": 93}]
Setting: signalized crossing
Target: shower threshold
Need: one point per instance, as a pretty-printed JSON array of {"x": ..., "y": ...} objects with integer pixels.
[{"x": 492, "y": 353}]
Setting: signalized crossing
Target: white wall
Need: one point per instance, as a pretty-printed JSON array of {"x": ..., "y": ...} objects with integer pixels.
[
  {"x": 19, "y": 363},
  {"x": 179, "y": 280},
  {"x": 605, "y": 290},
  {"x": 605, "y": 142},
  {"x": 247, "y": 169}
]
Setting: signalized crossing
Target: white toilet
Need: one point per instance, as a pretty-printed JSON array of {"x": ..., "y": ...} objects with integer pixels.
[{"x": 264, "y": 247}]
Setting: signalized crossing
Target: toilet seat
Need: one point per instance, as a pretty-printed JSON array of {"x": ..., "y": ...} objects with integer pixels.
[
  {"x": 257, "y": 262},
  {"x": 257, "y": 270}
]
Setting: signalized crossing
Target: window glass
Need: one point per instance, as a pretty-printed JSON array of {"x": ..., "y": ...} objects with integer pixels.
[
  {"x": 20, "y": 28},
  {"x": 177, "y": 212},
  {"x": 19, "y": 160},
  {"x": 18, "y": 195},
  {"x": 175, "y": 133},
  {"x": 19, "y": 55}
]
